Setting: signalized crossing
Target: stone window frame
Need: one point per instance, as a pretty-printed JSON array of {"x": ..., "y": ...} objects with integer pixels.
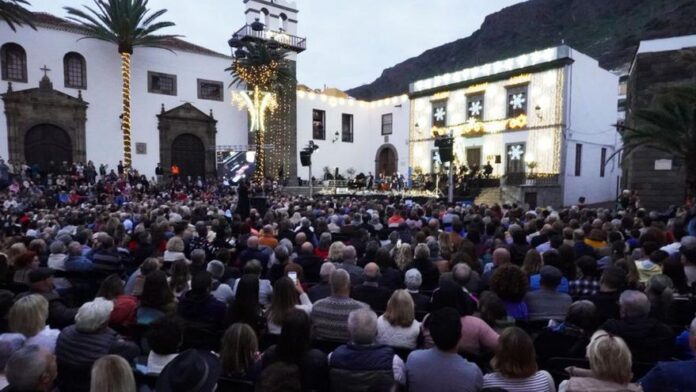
[
  {"x": 67, "y": 70},
  {"x": 199, "y": 89},
  {"x": 347, "y": 133},
  {"x": 316, "y": 124},
  {"x": 23, "y": 62},
  {"x": 153, "y": 90},
  {"x": 387, "y": 126}
]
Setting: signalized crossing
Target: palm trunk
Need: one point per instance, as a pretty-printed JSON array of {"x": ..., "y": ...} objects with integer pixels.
[
  {"x": 126, "y": 109},
  {"x": 259, "y": 174}
]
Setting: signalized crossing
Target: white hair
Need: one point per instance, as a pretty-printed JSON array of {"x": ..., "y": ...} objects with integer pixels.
[
  {"x": 413, "y": 279},
  {"x": 26, "y": 366},
  {"x": 93, "y": 315},
  {"x": 362, "y": 326}
]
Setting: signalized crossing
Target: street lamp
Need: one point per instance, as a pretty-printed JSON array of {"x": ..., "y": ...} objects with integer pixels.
[{"x": 306, "y": 160}]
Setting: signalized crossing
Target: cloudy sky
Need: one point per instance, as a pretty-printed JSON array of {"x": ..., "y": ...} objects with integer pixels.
[{"x": 349, "y": 42}]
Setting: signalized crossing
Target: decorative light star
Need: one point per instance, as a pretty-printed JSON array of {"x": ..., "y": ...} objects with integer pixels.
[
  {"x": 517, "y": 101},
  {"x": 440, "y": 114},
  {"x": 475, "y": 108},
  {"x": 516, "y": 152}
]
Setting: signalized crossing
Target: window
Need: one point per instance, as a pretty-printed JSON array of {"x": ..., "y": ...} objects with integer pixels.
[
  {"x": 387, "y": 124},
  {"x": 578, "y": 159},
  {"x": 474, "y": 107},
  {"x": 210, "y": 89},
  {"x": 14, "y": 63},
  {"x": 318, "y": 124},
  {"x": 160, "y": 83},
  {"x": 347, "y": 128},
  {"x": 439, "y": 113},
  {"x": 516, "y": 101},
  {"x": 74, "y": 71},
  {"x": 603, "y": 162},
  {"x": 283, "y": 22},
  {"x": 266, "y": 17}
]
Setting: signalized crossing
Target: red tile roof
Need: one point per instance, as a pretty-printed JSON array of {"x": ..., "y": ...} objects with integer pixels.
[{"x": 43, "y": 19}]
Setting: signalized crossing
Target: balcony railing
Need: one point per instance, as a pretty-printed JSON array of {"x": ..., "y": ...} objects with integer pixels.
[
  {"x": 535, "y": 179},
  {"x": 288, "y": 41}
]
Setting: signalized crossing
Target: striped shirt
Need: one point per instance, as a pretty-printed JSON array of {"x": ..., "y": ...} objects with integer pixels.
[
  {"x": 330, "y": 317},
  {"x": 540, "y": 381}
]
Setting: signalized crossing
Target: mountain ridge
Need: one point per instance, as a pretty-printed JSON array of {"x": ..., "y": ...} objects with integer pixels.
[{"x": 607, "y": 30}]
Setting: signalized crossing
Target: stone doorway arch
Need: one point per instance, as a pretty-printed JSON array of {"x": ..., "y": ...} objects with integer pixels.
[
  {"x": 188, "y": 153},
  {"x": 47, "y": 145},
  {"x": 386, "y": 160}
]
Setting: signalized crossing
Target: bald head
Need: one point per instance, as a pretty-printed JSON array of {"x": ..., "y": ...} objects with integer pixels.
[
  {"x": 371, "y": 272},
  {"x": 253, "y": 242},
  {"x": 501, "y": 256},
  {"x": 349, "y": 254},
  {"x": 307, "y": 248}
]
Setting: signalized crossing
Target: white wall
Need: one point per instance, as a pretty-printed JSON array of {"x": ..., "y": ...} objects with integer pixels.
[
  {"x": 367, "y": 138},
  {"x": 103, "y": 92},
  {"x": 592, "y": 113}
]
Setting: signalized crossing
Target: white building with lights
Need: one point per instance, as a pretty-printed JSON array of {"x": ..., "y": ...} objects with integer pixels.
[{"x": 543, "y": 120}]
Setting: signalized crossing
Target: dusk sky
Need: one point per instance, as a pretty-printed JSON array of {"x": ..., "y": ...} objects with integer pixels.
[{"x": 349, "y": 42}]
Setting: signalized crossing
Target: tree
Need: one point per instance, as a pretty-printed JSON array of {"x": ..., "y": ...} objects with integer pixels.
[
  {"x": 264, "y": 70},
  {"x": 127, "y": 24},
  {"x": 14, "y": 13},
  {"x": 669, "y": 125}
]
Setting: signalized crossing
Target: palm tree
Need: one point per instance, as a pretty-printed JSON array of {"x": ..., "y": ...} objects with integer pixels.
[
  {"x": 669, "y": 125},
  {"x": 127, "y": 24},
  {"x": 263, "y": 68},
  {"x": 14, "y": 13}
]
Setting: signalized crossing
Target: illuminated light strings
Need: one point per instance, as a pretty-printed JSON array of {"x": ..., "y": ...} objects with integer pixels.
[
  {"x": 126, "y": 108},
  {"x": 256, "y": 103}
]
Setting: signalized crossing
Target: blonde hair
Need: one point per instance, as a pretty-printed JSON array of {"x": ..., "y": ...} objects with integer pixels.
[
  {"x": 336, "y": 251},
  {"x": 111, "y": 373},
  {"x": 404, "y": 256},
  {"x": 28, "y": 315},
  {"x": 175, "y": 244},
  {"x": 610, "y": 358},
  {"x": 400, "y": 309}
]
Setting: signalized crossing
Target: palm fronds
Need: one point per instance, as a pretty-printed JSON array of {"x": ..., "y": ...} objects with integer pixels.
[
  {"x": 123, "y": 22},
  {"x": 262, "y": 67},
  {"x": 14, "y": 13}
]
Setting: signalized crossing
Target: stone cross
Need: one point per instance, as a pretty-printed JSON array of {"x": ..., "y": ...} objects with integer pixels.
[{"x": 45, "y": 70}]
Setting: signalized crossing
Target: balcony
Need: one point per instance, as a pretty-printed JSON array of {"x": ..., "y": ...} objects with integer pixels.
[
  {"x": 527, "y": 179},
  {"x": 286, "y": 41}
]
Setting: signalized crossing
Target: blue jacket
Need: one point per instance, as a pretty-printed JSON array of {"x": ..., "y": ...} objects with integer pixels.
[
  {"x": 77, "y": 263},
  {"x": 679, "y": 376},
  {"x": 354, "y": 357}
]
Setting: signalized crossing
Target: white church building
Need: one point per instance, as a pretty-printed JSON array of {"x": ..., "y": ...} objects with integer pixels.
[{"x": 62, "y": 101}]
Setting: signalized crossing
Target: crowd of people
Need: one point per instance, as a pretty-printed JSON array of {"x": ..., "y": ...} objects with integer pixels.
[{"x": 185, "y": 287}]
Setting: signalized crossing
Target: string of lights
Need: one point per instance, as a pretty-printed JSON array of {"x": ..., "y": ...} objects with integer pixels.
[{"x": 126, "y": 109}]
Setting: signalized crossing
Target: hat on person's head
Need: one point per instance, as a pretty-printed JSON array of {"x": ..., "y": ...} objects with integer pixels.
[
  {"x": 191, "y": 371},
  {"x": 39, "y": 274}
]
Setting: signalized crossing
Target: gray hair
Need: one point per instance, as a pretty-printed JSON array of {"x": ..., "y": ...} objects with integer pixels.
[
  {"x": 75, "y": 249},
  {"x": 57, "y": 247},
  {"x": 634, "y": 304},
  {"x": 26, "y": 366},
  {"x": 340, "y": 280},
  {"x": 461, "y": 273},
  {"x": 216, "y": 269},
  {"x": 326, "y": 270},
  {"x": 692, "y": 327},
  {"x": 281, "y": 253},
  {"x": 349, "y": 254},
  {"x": 421, "y": 252},
  {"x": 413, "y": 279},
  {"x": 93, "y": 315},
  {"x": 362, "y": 326}
]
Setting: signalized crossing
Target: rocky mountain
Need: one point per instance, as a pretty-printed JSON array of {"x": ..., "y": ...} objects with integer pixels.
[{"x": 608, "y": 30}]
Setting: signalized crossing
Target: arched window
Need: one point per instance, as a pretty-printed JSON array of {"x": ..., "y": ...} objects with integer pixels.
[
  {"x": 14, "y": 63},
  {"x": 283, "y": 21},
  {"x": 266, "y": 17},
  {"x": 75, "y": 70}
]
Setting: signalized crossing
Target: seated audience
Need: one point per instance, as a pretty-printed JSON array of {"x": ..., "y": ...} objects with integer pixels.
[
  {"x": 649, "y": 339},
  {"x": 588, "y": 282},
  {"x": 515, "y": 367},
  {"x": 221, "y": 291},
  {"x": 362, "y": 362},
  {"x": 441, "y": 368},
  {"x": 293, "y": 347},
  {"x": 31, "y": 369},
  {"x": 164, "y": 337},
  {"x": 322, "y": 289},
  {"x": 239, "y": 353},
  {"x": 287, "y": 295},
  {"x": 89, "y": 339},
  {"x": 112, "y": 373},
  {"x": 510, "y": 283},
  {"x": 413, "y": 281},
  {"x": 421, "y": 261},
  {"x": 569, "y": 338},
  {"x": 192, "y": 370},
  {"x": 59, "y": 313},
  {"x": 246, "y": 308},
  {"x": 157, "y": 298},
  {"x": 28, "y": 317},
  {"x": 348, "y": 262},
  {"x": 330, "y": 315},
  {"x": 547, "y": 303},
  {"x": 678, "y": 376},
  {"x": 265, "y": 291},
  {"x": 397, "y": 327},
  {"x": 611, "y": 283},
  {"x": 75, "y": 260},
  {"x": 370, "y": 292},
  {"x": 123, "y": 317},
  {"x": 610, "y": 367},
  {"x": 199, "y": 307}
]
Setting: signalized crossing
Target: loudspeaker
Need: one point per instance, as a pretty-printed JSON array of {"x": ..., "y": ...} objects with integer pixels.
[
  {"x": 445, "y": 149},
  {"x": 305, "y": 158},
  {"x": 498, "y": 159}
]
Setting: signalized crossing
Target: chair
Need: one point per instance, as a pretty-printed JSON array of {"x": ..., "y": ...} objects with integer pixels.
[{"x": 326, "y": 346}]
